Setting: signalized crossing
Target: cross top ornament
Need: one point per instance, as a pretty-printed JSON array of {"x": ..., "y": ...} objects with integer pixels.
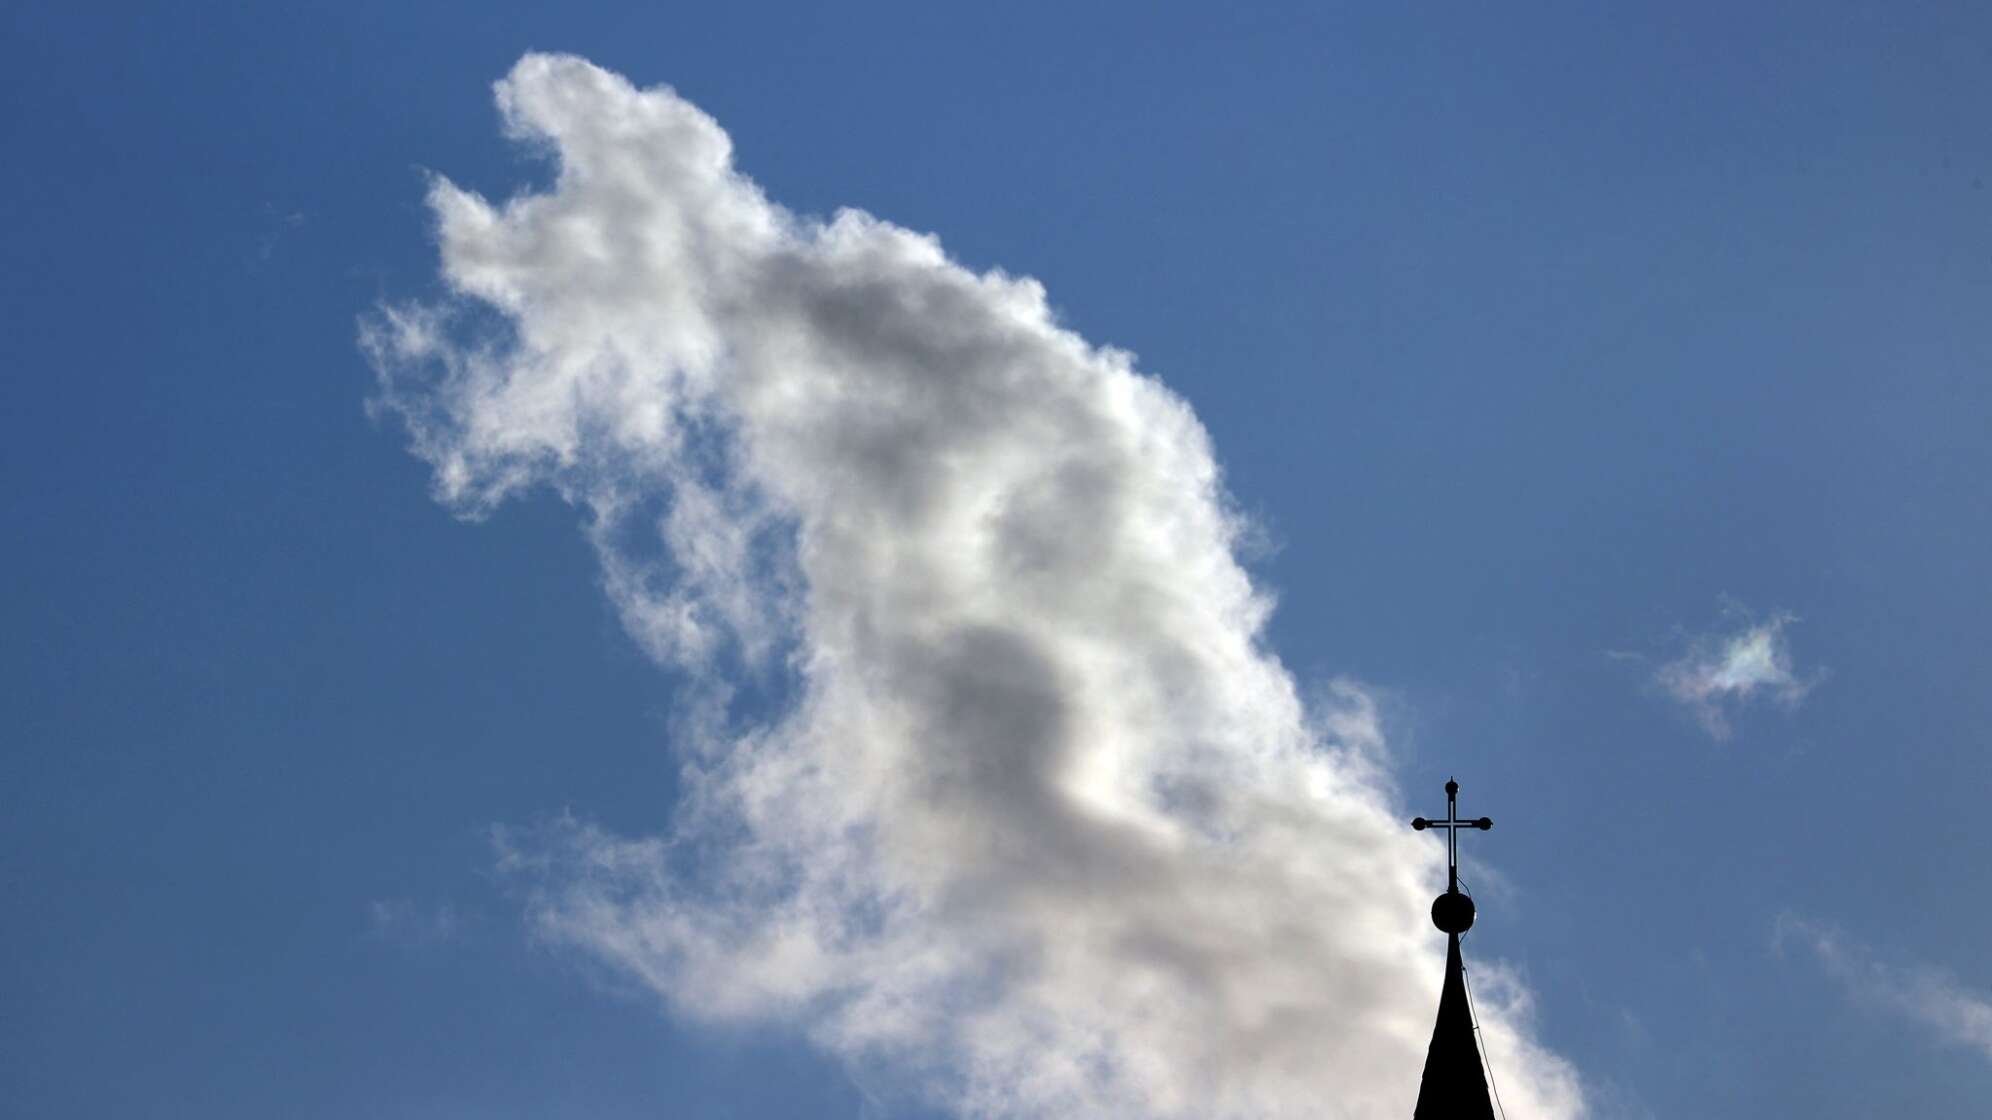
[{"x": 1452, "y": 911}]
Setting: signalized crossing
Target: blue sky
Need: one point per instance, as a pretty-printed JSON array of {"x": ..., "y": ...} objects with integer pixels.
[{"x": 1550, "y": 352}]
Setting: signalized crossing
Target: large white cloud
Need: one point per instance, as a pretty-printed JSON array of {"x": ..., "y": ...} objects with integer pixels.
[{"x": 1037, "y": 825}]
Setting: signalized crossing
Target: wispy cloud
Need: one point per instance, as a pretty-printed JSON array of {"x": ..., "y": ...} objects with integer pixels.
[
  {"x": 275, "y": 224},
  {"x": 1033, "y": 821},
  {"x": 406, "y": 922},
  {"x": 1722, "y": 672},
  {"x": 1928, "y": 996}
]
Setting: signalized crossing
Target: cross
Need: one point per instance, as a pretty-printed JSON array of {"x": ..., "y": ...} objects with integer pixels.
[{"x": 1452, "y": 824}]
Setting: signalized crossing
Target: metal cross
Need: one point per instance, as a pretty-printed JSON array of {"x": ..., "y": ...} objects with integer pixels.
[{"x": 1452, "y": 824}]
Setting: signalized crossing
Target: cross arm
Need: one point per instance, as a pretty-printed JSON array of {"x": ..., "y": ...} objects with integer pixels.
[{"x": 1421, "y": 824}]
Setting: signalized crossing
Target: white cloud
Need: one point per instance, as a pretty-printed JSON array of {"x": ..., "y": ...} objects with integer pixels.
[
  {"x": 1925, "y": 995},
  {"x": 1722, "y": 672},
  {"x": 1040, "y": 826}
]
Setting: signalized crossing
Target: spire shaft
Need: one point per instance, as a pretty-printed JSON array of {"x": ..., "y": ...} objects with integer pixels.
[{"x": 1455, "y": 1086}]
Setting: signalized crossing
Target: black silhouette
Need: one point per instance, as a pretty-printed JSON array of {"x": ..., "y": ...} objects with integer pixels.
[{"x": 1455, "y": 1085}]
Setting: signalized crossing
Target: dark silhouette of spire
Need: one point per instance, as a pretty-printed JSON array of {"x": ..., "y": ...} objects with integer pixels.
[
  {"x": 1454, "y": 1087},
  {"x": 1455, "y": 1084}
]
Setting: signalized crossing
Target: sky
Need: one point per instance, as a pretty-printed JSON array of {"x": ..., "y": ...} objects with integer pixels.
[{"x": 912, "y": 563}]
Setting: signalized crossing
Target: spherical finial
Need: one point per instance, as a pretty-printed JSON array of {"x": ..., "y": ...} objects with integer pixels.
[
  {"x": 1484, "y": 823},
  {"x": 1452, "y": 913},
  {"x": 1420, "y": 823},
  {"x": 1452, "y": 788}
]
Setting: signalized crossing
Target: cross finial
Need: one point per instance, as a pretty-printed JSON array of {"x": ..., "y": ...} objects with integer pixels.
[{"x": 1452, "y": 908}]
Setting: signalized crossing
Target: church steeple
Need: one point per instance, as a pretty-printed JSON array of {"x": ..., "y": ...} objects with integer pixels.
[{"x": 1455, "y": 1085}]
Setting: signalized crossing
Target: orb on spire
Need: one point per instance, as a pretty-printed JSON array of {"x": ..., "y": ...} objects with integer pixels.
[{"x": 1452, "y": 912}]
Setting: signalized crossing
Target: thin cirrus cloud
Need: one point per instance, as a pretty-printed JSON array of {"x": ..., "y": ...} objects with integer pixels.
[
  {"x": 406, "y": 922},
  {"x": 1034, "y": 825},
  {"x": 1723, "y": 672},
  {"x": 1927, "y": 996}
]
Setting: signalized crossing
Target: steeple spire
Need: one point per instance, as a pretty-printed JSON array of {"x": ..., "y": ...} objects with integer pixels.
[{"x": 1455, "y": 1086}]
